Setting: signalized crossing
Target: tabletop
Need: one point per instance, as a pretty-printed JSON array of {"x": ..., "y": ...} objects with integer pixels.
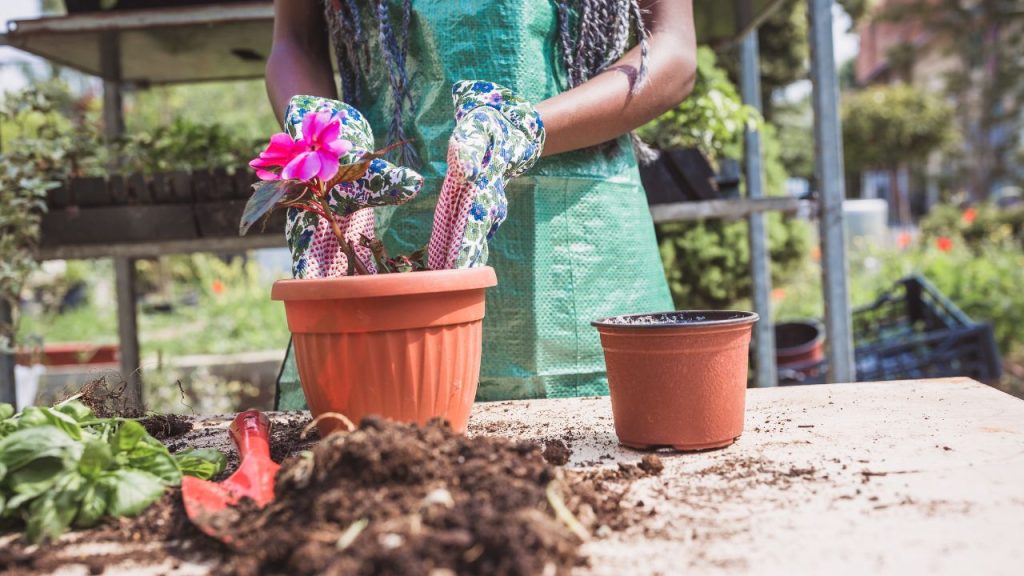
[
  {"x": 898, "y": 477},
  {"x": 914, "y": 477}
]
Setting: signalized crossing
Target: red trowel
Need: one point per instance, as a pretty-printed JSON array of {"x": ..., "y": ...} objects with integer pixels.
[{"x": 254, "y": 477}]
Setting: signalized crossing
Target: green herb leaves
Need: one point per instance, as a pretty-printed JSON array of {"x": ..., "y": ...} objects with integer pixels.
[{"x": 61, "y": 466}]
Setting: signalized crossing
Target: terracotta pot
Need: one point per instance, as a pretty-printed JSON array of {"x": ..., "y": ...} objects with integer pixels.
[
  {"x": 799, "y": 351},
  {"x": 677, "y": 379},
  {"x": 403, "y": 346}
]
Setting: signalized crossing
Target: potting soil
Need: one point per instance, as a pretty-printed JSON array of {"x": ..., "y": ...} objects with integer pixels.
[{"x": 383, "y": 499}]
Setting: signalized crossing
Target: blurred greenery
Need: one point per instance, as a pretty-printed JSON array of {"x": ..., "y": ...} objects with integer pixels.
[
  {"x": 712, "y": 119},
  {"x": 887, "y": 126},
  {"x": 231, "y": 312},
  {"x": 707, "y": 263}
]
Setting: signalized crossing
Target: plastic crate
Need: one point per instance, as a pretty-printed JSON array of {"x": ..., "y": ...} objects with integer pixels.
[{"x": 913, "y": 331}]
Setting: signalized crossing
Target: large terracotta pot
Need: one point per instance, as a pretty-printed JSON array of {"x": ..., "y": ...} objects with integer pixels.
[
  {"x": 677, "y": 379},
  {"x": 405, "y": 346}
]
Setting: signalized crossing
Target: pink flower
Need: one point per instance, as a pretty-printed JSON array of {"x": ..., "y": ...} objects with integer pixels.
[
  {"x": 315, "y": 155},
  {"x": 970, "y": 215}
]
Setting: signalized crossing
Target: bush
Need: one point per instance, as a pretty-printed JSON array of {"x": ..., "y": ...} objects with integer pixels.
[{"x": 708, "y": 263}]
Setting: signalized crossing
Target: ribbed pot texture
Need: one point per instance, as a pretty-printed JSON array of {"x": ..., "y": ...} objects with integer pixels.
[
  {"x": 679, "y": 383},
  {"x": 404, "y": 346}
]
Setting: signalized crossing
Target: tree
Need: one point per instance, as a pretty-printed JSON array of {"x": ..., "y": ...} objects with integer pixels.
[
  {"x": 889, "y": 127},
  {"x": 782, "y": 42},
  {"x": 986, "y": 39}
]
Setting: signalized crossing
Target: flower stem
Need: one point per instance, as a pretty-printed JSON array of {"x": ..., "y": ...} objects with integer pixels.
[{"x": 355, "y": 265}]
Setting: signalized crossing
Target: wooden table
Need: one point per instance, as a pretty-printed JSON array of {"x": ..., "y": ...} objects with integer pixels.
[
  {"x": 919, "y": 477},
  {"x": 922, "y": 477}
]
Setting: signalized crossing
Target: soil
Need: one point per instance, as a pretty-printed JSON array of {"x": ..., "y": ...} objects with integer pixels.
[
  {"x": 166, "y": 426},
  {"x": 384, "y": 499}
]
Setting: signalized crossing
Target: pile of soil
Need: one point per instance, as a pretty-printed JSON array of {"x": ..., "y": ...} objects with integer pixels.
[{"x": 384, "y": 499}]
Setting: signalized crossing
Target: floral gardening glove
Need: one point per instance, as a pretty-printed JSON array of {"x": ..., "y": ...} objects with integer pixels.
[
  {"x": 315, "y": 250},
  {"x": 497, "y": 137}
]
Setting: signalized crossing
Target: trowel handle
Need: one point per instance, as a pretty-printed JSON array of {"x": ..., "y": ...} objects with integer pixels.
[{"x": 250, "y": 432}]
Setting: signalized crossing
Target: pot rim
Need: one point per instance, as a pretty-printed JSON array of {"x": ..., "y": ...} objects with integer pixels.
[
  {"x": 806, "y": 346},
  {"x": 378, "y": 285},
  {"x": 711, "y": 318}
]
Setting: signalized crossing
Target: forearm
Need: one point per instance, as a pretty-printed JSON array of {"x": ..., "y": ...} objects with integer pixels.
[
  {"x": 605, "y": 107},
  {"x": 299, "y": 62}
]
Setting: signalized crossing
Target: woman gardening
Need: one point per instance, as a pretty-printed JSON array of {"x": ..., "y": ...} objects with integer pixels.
[{"x": 558, "y": 87}]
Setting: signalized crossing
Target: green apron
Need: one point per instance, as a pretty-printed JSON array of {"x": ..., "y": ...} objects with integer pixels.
[{"x": 578, "y": 243}]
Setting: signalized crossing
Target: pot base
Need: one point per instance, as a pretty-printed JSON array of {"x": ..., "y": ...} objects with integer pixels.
[{"x": 680, "y": 447}]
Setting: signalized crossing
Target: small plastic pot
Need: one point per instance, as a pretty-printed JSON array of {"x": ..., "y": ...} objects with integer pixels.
[
  {"x": 404, "y": 346},
  {"x": 677, "y": 379}
]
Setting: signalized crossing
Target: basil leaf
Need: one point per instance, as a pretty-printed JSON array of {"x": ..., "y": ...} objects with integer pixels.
[
  {"x": 150, "y": 455},
  {"x": 76, "y": 410},
  {"x": 30, "y": 481},
  {"x": 127, "y": 436},
  {"x": 51, "y": 514},
  {"x": 93, "y": 506},
  {"x": 34, "y": 416},
  {"x": 131, "y": 491},
  {"x": 96, "y": 457},
  {"x": 202, "y": 463},
  {"x": 27, "y": 445}
]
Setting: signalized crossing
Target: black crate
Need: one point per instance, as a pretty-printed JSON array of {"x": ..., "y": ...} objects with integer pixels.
[{"x": 914, "y": 331}]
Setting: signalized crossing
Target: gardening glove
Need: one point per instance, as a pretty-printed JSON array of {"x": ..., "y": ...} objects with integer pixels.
[
  {"x": 497, "y": 137},
  {"x": 315, "y": 250}
]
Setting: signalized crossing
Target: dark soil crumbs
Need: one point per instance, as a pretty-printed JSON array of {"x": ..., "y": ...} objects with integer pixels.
[
  {"x": 384, "y": 499},
  {"x": 166, "y": 426}
]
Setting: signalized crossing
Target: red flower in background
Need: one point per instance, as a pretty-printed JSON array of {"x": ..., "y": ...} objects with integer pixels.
[
  {"x": 944, "y": 243},
  {"x": 903, "y": 240},
  {"x": 969, "y": 215},
  {"x": 217, "y": 287}
]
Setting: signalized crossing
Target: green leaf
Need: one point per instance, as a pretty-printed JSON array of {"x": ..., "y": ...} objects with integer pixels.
[
  {"x": 50, "y": 515},
  {"x": 131, "y": 491},
  {"x": 96, "y": 457},
  {"x": 27, "y": 445},
  {"x": 128, "y": 436},
  {"x": 94, "y": 504},
  {"x": 6, "y": 410},
  {"x": 76, "y": 410},
  {"x": 151, "y": 456},
  {"x": 202, "y": 463},
  {"x": 31, "y": 481},
  {"x": 34, "y": 416},
  {"x": 265, "y": 196}
]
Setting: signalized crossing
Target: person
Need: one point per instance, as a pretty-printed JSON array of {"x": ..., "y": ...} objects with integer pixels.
[{"x": 578, "y": 243}]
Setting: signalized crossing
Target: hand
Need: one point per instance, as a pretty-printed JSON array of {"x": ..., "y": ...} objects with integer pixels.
[
  {"x": 314, "y": 247},
  {"x": 497, "y": 136}
]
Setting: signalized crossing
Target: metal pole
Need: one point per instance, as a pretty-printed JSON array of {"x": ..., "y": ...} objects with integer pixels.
[
  {"x": 829, "y": 172},
  {"x": 124, "y": 268},
  {"x": 764, "y": 331},
  {"x": 8, "y": 386}
]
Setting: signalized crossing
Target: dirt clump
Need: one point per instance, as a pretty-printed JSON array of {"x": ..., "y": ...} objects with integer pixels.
[
  {"x": 166, "y": 426},
  {"x": 398, "y": 499},
  {"x": 556, "y": 452}
]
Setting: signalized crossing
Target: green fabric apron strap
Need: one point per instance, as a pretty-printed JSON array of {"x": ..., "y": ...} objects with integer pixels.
[{"x": 578, "y": 242}]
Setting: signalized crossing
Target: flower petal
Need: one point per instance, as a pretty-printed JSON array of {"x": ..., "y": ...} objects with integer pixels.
[
  {"x": 328, "y": 165},
  {"x": 337, "y": 147},
  {"x": 303, "y": 167},
  {"x": 281, "y": 147},
  {"x": 267, "y": 175}
]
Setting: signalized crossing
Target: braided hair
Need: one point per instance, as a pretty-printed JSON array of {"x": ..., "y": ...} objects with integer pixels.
[{"x": 592, "y": 34}]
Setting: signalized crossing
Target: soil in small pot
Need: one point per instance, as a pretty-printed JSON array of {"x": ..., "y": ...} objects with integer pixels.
[{"x": 385, "y": 499}]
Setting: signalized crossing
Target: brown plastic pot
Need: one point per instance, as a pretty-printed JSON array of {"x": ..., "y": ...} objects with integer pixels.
[
  {"x": 403, "y": 346},
  {"x": 677, "y": 379}
]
